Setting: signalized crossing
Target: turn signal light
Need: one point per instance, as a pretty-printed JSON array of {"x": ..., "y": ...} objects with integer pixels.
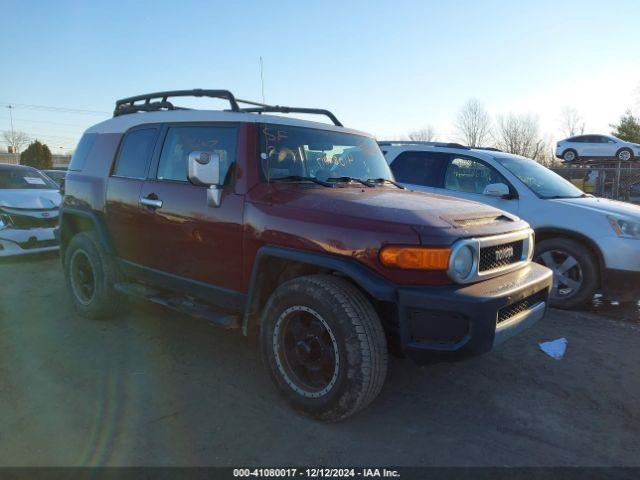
[{"x": 415, "y": 258}]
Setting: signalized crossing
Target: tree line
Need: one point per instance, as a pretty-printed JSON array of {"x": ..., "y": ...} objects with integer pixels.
[{"x": 520, "y": 133}]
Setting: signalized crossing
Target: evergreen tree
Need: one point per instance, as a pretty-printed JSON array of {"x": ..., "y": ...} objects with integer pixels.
[
  {"x": 628, "y": 128},
  {"x": 37, "y": 155}
]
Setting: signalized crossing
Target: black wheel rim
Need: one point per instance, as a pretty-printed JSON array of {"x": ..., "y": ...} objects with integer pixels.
[
  {"x": 567, "y": 273},
  {"x": 83, "y": 278},
  {"x": 306, "y": 351}
]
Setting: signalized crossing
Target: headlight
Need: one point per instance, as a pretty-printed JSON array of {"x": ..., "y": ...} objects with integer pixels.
[
  {"x": 4, "y": 221},
  {"x": 625, "y": 228},
  {"x": 462, "y": 262}
]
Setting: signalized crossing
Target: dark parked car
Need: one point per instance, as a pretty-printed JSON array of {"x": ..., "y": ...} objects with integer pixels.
[
  {"x": 57, "y": 176},
  {"x": 296, "y": 229}
]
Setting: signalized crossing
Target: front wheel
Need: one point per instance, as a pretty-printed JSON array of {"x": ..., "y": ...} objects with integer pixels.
[
  {"x": 575, "y": 273},
  {"x": 624, "y": 155},
  {"x": 324, "y": 346}
]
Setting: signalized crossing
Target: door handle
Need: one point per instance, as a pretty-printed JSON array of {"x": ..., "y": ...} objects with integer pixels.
[{"x": 151, "y": 202}]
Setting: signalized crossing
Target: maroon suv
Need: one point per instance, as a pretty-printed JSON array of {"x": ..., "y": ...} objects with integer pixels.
[{"x": 295, "y": 229}]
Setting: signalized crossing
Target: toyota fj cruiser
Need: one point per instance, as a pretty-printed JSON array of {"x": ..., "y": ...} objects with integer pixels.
[{"x": 295, "y": 229}]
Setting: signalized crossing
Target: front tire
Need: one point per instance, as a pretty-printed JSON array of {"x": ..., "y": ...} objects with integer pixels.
[
  {"x": 324, "y": 346},
  {"x": 90, "y": 274},
  {"x": 624, "y": 155},
  {"x": 575, "y": 272}
]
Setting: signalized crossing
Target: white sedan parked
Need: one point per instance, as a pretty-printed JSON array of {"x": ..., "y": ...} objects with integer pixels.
[
  {"x": 596, "y": 146},
  {"x": 29, "y": 204},
  {"x": 590, "y": 243}
]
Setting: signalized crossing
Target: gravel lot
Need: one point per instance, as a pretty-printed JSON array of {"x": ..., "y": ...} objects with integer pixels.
[{"x": 156, "y": 388}]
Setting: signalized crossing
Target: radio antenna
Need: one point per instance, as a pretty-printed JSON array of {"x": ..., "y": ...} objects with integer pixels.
[{"x": 262, "y": 77}]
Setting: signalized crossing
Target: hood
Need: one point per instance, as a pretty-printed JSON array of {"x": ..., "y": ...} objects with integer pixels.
[
  {"x": 426, "y": 212},
  {"x": 30, "y": 199},
  {"x": 602, "y": 205}
]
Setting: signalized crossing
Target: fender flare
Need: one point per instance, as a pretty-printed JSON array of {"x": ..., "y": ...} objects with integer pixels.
[
  {"x": 96, "y": 221},
  {"x": 371, "y": 282}
]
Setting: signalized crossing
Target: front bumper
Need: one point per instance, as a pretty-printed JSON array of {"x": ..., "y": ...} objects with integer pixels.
[
  {"x": 471, "y": 319},
  {"x": 621, "y": 285},
  {"x": 15, "y": 241}
]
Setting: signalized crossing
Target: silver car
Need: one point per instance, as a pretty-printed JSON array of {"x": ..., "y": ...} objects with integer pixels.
[
  {"x": 29, "y": 204},
  {"x": 596, "y": 146}
]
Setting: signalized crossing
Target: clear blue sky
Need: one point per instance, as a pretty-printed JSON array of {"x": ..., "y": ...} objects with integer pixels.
[{"x": 384, "y": 67}]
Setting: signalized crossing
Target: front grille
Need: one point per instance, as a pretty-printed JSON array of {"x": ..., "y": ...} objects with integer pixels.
[
  {"x": 497, "y": 256},
  {"x": 505, "y": 313},
  {"x": 25, "y": 221}
]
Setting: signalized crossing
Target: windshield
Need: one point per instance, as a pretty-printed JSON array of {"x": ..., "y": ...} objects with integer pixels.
[
  {"x": 319, "y": 154},
  {"x": 25, "y": 178},
  {"x": 544, "y": 182}
]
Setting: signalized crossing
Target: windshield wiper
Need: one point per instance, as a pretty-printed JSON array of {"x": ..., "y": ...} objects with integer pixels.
[
  {"x": 386, "y": 180},
  {"x": 300, "y": 178},
  {"x": 556, "y": 197},
  {"x": 351, "y": 179}
]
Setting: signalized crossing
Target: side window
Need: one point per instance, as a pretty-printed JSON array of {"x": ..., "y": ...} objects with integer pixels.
[
  {"x": 81, "y": 153},
  {"x": 470, "y": 176},
  {"x": 135, "y": 153},
  {"x": 420, "y": 168},
  {"x": 181, "y": 141}
]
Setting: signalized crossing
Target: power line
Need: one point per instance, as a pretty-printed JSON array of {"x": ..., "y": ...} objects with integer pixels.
[
  {"x": 33, "y": 134},
  {"x": 53, "y": 109},
  {"x": 50, "y": 123}
]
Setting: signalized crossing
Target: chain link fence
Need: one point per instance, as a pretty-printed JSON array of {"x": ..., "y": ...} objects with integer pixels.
[{"x": 616, "y": 183}]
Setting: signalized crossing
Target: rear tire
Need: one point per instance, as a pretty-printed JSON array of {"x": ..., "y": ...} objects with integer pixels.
[
  {"x": 569, "y": 155},
  {"x": 575, "y": 272},
  {"x": 324, "y": 346},
  {"x": 90, "y": 274}
]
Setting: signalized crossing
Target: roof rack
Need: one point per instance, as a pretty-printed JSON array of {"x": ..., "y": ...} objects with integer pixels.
[
  {"x": 132, "y": 105},
  {"x": 129, "y": 105},
  {"x": 428, "y": 144},
  {"x": 491, "y": 149},
  {"x": 264, "y": 108}
]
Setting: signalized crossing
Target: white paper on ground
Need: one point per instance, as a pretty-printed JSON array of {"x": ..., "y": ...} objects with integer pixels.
[{"x": 555, "y": 348}]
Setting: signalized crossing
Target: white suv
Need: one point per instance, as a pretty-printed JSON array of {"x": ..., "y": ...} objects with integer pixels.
[
  {"x": 592, "y": 244},
  {"x": 596, "y": 146}
]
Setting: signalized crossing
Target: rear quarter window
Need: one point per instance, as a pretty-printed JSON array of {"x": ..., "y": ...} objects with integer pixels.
[
  {"x": 81, "y": 153},
  {"x": 135, "y": 153}
]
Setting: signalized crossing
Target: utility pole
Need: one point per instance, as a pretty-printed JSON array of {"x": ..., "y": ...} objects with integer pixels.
[{"x": 13, "y": 135}]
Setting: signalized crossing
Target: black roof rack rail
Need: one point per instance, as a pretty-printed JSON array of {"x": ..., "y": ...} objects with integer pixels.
[
  {"x": 428, "y": 144},
  {"x": 264, "y": 108},
  {"x": 132, "y": 105},
  {"x": 129, "y": 105},
  {"x": 491, "y": 149}
]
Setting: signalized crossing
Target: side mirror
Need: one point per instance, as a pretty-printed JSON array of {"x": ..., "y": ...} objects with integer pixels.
[
  {"x": 203, "y": 168},
  {"x": 499, "y": 190}
]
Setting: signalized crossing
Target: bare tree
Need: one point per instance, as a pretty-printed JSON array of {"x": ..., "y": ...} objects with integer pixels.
[
  {"x": 571, "y": 122},
  {"x": 473, "y": 124},
  {"x": 16, "y": 140},
  {"x": 519, "y": 134},
  {"x": 426, "y": 134}
]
